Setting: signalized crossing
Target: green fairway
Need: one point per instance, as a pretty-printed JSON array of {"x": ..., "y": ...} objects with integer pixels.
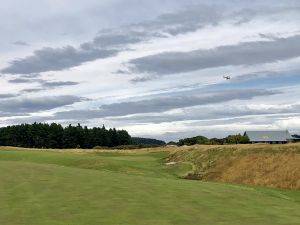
[{"x": 50, "y": 188}]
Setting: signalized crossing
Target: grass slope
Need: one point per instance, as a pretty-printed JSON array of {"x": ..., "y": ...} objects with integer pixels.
[
  {"x": 264, "y": 165},
  {"x": 135, "y": 189},
  {"x": 145, "y": 164}
]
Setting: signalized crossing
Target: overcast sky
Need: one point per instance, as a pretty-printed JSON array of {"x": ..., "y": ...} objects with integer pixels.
[{"x": 152, "y": 67}]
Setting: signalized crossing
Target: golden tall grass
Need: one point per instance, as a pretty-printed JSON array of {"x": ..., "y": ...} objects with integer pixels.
[
  {"x": 273, "y": 170},
  {"x": 262, "y": 165}
]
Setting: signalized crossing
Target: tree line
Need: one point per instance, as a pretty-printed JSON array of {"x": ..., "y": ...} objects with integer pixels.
[
  {"x": 147, "y": 141},
  {"x": 42, "y": 135},
  {"x": 231, "y": 139}
]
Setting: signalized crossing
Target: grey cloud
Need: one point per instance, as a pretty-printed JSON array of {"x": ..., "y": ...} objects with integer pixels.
[
  {"x": 55, "y": 84},
  {"x": 142, "y": 79},
  {"x": 44, "y": 84},
  {"x": 255, "y": 75},
  {"x": 27, "y": 118},
  {"x": 3, "y": 96},
  {"x": 20, "y": 43},
  {"x": 201, "y": 14},
  {"x": 268, "y": 36},
  {"x": 30, "y": 105},
  {"x": 23, "y": 81},
  {"x": 162, "y": 104},
  {"x": 12, "y": 114},
  {"x": 55, "y": 59},
  {"x": 265, "y": 74},
  {"x": 210, "y": 113},
  {"x": 109, "y": 43},
  {"x": 32, "y": 75},
  {"x": 246, "y": 53},
  {"x": 186, "y": 20},
  {"x": 247, "y": 14},
  {"x": 106, "y": 44},
  {"x": 49, "y": 85},
  {"x": 31, "y": 90},
  {"x": 111, "y": 40}
]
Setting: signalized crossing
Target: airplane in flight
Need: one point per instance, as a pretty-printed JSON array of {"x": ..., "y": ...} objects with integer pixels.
[{"x": 227, "y": 77}]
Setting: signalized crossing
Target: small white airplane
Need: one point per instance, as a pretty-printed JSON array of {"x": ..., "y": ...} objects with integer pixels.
[{"x": 227, "y": 77}]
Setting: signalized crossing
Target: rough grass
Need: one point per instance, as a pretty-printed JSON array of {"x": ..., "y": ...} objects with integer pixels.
[
  {"x": 273, "y": 170},
  {"x": 264, "y": 165}
]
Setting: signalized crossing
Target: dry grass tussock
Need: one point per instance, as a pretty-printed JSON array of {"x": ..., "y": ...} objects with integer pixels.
[
  {"x": 273, "y": 170},
  {"x": 262, "y": 165}
]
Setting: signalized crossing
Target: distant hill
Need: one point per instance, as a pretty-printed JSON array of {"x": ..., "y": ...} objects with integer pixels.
[{"x": 147, "y": 141}]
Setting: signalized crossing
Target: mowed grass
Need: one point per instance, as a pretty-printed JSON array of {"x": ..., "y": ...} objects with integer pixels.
[
  {"x": 144, "y": 164},
  {"x": 126, "y": 188}
]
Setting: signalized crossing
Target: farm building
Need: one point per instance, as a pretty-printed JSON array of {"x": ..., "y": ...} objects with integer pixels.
[{"x": 271, "y": 137}]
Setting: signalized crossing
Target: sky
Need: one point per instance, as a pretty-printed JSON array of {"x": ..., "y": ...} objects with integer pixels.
[{"x": 152, "y": 67}]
